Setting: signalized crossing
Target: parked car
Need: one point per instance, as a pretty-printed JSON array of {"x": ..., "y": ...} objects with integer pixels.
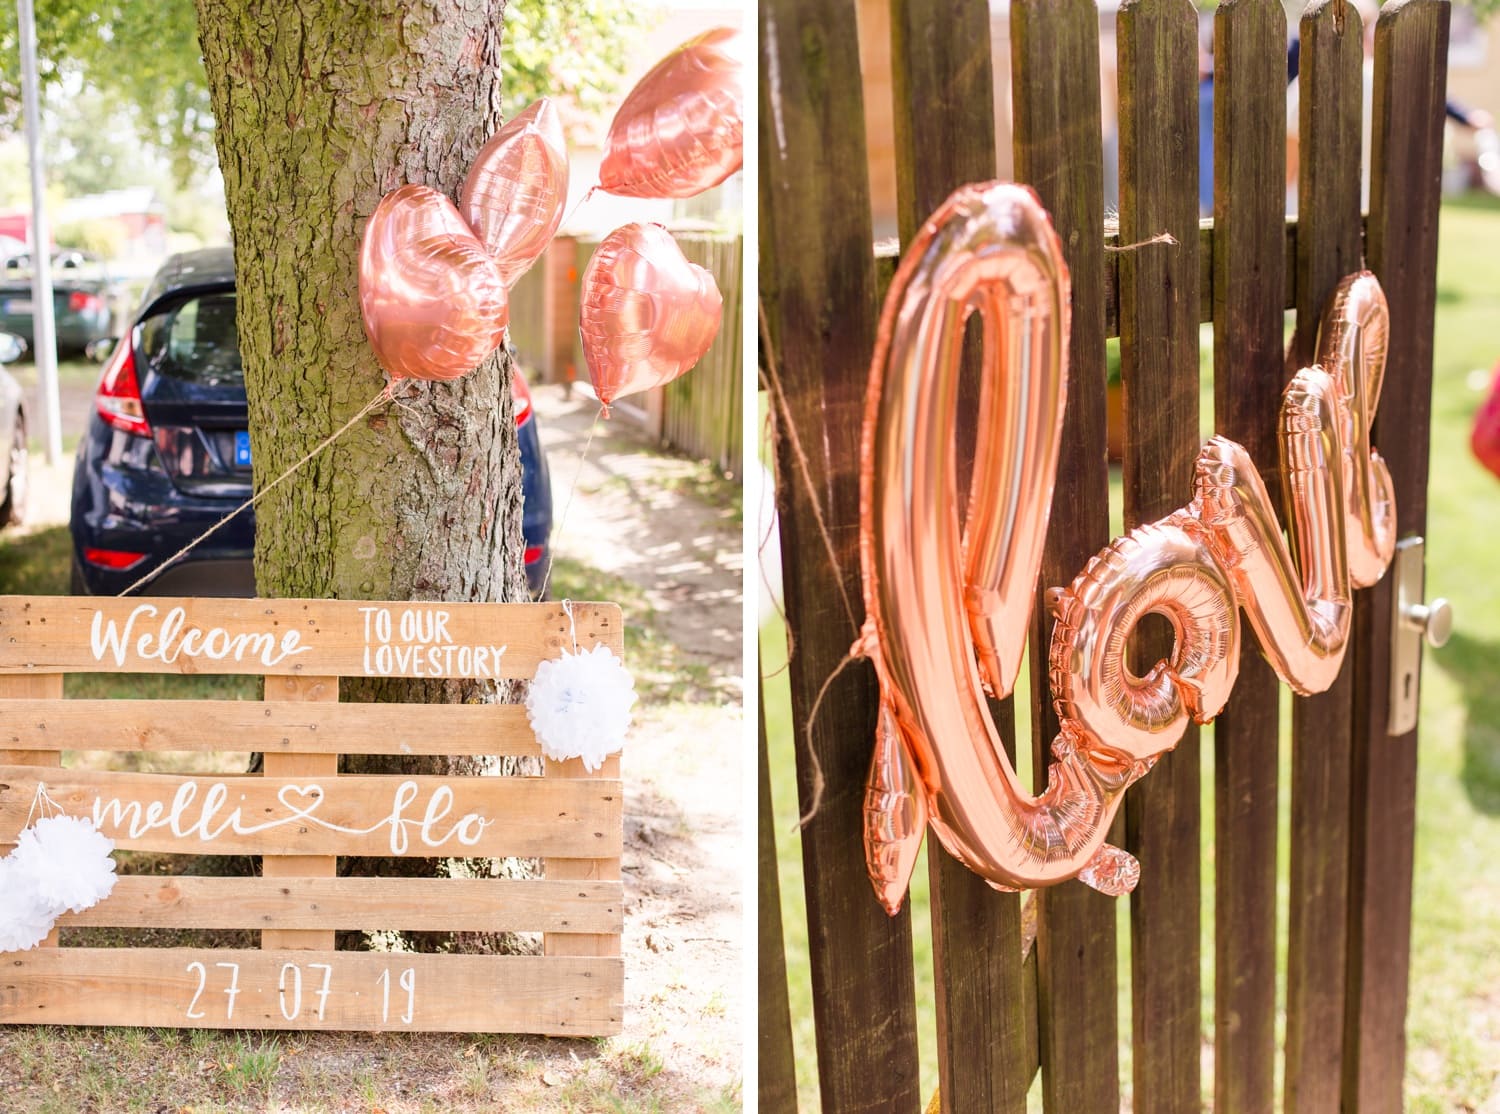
[
  {"x": 16, "y": 476},
  {"x": 167, "y": 450},
  {"x": 80, "y": 300}
]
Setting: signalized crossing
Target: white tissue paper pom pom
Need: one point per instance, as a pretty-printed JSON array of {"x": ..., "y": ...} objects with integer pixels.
[
  {"x": 69, "y": 861},
  {"x": 25, "y": 919},
  {"x": 579, "y": 705}
]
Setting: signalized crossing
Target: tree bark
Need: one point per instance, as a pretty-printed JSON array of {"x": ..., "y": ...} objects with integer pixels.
[{"x": 322, "y": 107}]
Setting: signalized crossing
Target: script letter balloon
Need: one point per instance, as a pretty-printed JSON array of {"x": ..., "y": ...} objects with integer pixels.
[
  {"x": 432, "y": 300},
  {"x": 895, "y": 815},
  {"x": 647, "y": 314},
  {"x": 514, "y": 193},
  {"x": 680, "y": 130},
  {"x": 947, "y": 613}
]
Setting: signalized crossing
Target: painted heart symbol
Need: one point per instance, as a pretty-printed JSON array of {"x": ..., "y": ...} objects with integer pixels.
[
  {"x": 647, "y": 314},
  {"x": 514, "y": 193},
  {"x": 310, "y": 795},
  {"x": 432, "y": 299}
]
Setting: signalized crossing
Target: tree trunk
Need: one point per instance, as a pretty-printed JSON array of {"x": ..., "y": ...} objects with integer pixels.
[{"x": 322, "y": 107}]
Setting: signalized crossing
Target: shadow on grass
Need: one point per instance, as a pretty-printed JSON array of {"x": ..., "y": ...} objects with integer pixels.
[
  {"x": 36, "y": 563},
  {"x": 1474, "y": 663}
]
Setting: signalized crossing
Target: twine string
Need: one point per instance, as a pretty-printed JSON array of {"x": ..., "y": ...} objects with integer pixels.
[
  {"x": 785, "y": 427},
  {"x": 41, "y": 799},
  {"x": 567, "y": 606},
  {"x": 386, "y": 394},
  {"x": 568, "y": 502}
]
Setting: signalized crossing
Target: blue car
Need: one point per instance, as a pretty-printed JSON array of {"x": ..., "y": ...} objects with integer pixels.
[{"x": 167, "y": 450}]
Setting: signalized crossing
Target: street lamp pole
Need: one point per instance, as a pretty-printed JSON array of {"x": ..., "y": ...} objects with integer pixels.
[{"x": 43, "y": 324}]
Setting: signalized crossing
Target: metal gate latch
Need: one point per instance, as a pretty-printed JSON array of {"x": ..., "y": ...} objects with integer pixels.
[{"x": 1412, "y": 620}]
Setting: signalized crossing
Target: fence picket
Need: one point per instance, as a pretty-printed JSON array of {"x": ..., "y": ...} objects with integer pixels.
[
  {"x": 1159, "y": 371},
  {"x": 1328, "y": 248},
  {"x": 817, "y": 283},
  {"x": 1411, "y": 55},
  {"x": 1059, "y": 153},
  {"x": 1352, "y": 786},
  {"x": 945, "y": 137},
  {"x": 777, "y": 1075},
  {"x": 1249, "y": 278}
]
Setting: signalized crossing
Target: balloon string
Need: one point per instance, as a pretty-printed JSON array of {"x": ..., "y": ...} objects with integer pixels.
[
  {"x": 771, "y": 377},
  {"x": 579, "y": 204},
  {"x": 385, "y": 395},
  {"x": 568, "y": 502}
]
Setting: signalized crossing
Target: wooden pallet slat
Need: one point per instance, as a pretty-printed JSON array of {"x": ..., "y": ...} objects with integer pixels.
[
  {"x": 1159, "y": 373},
  {"x": 1250, "y": 269},
  {"x": 159, "y": 726},
  {"x": 419, "y": 816},
  {"x": 403, "y": 904},
  {"x": 300, "y": 690},
  {"x": 1059, "y": 153},
  {"x": 1328, "y": 248},
  {"x": 1411, "y": 57},
  {"x": 817, "y": 288},
  {"x": 223, "y": 988},
  {"x": 332, "y": 638}
]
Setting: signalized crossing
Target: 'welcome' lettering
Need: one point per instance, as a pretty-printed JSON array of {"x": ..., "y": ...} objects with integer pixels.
[{"x": 168, "y": 641}]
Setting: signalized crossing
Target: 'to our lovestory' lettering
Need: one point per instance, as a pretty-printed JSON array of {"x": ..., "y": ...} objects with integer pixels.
[{"x": 414, "y": 642}]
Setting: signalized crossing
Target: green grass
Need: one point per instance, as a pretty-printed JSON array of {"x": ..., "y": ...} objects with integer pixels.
[{"x": 1453, "y": 1021}]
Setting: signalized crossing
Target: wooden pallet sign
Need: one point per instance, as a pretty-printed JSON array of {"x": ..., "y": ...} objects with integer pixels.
[{"x": 299, "y": 816}]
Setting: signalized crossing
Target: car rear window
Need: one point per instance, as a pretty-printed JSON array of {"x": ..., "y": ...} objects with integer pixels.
[{"x": 195, "y": 342}]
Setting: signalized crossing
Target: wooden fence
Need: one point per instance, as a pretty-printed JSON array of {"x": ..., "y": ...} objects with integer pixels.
[
  {"x": 298, "y": 816},
  {"x": 1028, "y": 984},
  {"x": 698, "y": 414}
]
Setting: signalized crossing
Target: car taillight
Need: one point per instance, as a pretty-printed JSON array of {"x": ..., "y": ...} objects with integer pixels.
[
  {"x": 522, "y": 394},
  {"x": 112, "y": 558},
  {"x": 118, "y": 399},
  {"x": 533, "y": 554},
  {"x": 79, "y": 301}
]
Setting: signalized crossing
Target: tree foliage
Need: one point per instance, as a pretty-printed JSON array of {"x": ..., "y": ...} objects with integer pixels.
[{"x": 144, "y": 56}]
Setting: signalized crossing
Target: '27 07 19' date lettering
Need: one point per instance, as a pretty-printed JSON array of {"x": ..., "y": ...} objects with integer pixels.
[{"x": 312, "y": 991}]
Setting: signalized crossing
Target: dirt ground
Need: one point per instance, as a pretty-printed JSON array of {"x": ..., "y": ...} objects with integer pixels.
[
  {"x": 645, "y": 518},
  {"x": 663, "y": 535}
]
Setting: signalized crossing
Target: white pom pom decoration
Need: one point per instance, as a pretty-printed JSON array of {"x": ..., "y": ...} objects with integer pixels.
[
  {"x": 579, "y": 705},
  {"x": 69, "y": 861},
  {"x": 60, "y": 864},
  {"x": 25, "y": 919}
]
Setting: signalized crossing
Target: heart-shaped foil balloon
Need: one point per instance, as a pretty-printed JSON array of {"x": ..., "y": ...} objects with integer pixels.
[
  {"x": 680, "y": 129},
  {"x": 647, "y": 314},
  {"x": 513, "y": 197},
  {"x": 433, "y": 302}
]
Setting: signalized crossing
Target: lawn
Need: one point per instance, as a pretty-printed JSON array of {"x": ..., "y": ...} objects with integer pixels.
[{"x": 1454, "y": 1017}]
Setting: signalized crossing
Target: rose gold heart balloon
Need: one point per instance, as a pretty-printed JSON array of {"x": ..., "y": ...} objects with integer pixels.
[
  {"x": 432, "y": 299},
  {"x": 513, "y": 196},
  {"x": 680, "y": 129},
  {"x": 647, "y": 314}
]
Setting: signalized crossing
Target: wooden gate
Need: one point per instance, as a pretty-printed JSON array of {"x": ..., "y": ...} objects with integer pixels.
[
  {"x": 299, "y": 816},
  {"x": 1027, "y": 984}
]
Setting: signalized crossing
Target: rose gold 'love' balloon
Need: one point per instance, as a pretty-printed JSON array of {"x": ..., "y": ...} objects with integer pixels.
[
  {"x": 432, "y": 299},
  {"x": 647, "y": 314},
  {"x": 680, "y": 129},
  {"x": 513, "y": 196}
]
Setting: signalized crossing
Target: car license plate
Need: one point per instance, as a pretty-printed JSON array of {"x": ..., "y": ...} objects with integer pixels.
[
  {"x": 18, "y": 305},
  {"x": 242, "y": 448}
]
